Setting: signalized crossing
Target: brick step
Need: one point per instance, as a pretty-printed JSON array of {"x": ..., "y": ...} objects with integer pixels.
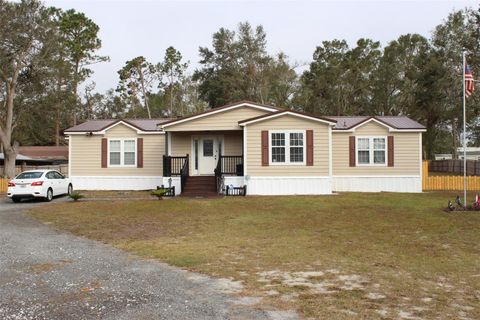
[
  {"x": 199, "y": 189},
  {"x": 189, "y": 183},
  {"x": 204, "y": 194}
]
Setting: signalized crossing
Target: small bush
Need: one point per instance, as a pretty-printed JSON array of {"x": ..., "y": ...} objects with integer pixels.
[
  {"x": 76, "y": 196},
  {"x": 159, "y": 193}
]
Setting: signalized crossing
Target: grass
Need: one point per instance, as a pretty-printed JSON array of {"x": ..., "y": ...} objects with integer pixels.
[{"x": 348, "y": 256}]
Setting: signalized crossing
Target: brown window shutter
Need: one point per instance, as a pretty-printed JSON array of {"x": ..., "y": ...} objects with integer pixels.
[
  {"x": 264, "y": 148},
  {"x": 309, "y": 147},
  {"x": 140, "y": 153},
  {"x": 390, "y": 151},
  {"x": 104, "y": 152},
  {"x": 352, "y": 151}
]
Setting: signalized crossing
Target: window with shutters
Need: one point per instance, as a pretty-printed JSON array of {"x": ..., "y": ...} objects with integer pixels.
[
  {"x": 122, "y": 152},
  {"x": 371, "y": 151},
  {"x": 287, "y": 147}
]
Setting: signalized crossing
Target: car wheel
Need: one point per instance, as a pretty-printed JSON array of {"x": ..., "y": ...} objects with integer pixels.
[
  {"x": 16, "y": 200},
  {"x": 49, "y": 196},
  {"x": 70, "y": 189}
]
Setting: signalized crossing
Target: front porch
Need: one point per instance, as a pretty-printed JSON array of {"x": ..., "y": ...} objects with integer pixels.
[{"x": 204, "y": 161}]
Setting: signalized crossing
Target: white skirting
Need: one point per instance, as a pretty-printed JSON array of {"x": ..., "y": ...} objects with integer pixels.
[
  {"x": 298, "y": 185},
  {"x": 377, "y": 184},
  {"x": 116, "y": 182}
]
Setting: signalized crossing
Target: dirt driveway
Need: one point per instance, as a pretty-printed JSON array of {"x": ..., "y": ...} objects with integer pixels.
[{"x": 46, "y": 274}]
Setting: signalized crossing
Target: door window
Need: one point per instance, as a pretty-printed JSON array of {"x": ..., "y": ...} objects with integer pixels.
[{"x": 208, "y": 148}]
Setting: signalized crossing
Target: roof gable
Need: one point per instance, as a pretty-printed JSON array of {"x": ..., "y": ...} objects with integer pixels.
[
  {"x": 143, "y": 126},
  {"x": 222, "y": 109},
  {"x": 393, "y": 123},
  {"x": 286, "y": 113}
]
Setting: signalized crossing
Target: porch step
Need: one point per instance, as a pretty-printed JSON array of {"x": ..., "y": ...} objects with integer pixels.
[{"x": 200, "y": 186}]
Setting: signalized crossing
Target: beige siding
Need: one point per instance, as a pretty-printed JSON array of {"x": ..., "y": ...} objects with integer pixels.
[
  {"x": 287, "y": 122},
  {"x": 181, "y": 143},
  {"x": 226, "y": 120},
  {"x": 406, "y": 152},
  {"x": 233, "y": 143},
  {"x": 86, "y": 154}
]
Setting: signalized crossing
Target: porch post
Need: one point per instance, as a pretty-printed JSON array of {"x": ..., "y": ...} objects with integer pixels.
[
  {"x": 245, "y": 152},
  {"x": 168, "y": 143}
]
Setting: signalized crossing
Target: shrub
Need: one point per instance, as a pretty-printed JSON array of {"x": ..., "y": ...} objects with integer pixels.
[
  {"x": 159, "y": 193},
  {"x": 76, "y": 196}
]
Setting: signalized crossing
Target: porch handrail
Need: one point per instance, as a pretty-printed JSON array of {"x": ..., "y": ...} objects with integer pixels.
[
  {"x": 218, "y": 175},
  {"x": 173, "y": 165},
  {"x": 231, "y": 165},
  {"x": 184, "y": 173}
]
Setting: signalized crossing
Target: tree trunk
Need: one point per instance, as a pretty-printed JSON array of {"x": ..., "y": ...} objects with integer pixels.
[
  {"x": 454, "y": 139},
  {"x": 57, "y": 128},
  {"x": 145, "y": 99},
  {"x": 10, "y": 155}
]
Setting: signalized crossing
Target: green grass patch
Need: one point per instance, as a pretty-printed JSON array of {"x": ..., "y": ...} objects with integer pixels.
[{"x": 379, "y": 254}]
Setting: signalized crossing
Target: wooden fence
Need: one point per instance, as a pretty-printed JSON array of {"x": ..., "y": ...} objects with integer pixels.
[
  {"x": 3, "y": 186},
  {"x": 449, "y": 183},
  {"x": 63, "y": 168},
  {"x": 455, "y": 166}
]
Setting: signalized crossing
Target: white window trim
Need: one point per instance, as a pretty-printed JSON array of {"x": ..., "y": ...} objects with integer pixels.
[
  {"x": 287, "y": 148},
  {"x": 122, "y": 153},
  {"x": 371, "y": 151}
]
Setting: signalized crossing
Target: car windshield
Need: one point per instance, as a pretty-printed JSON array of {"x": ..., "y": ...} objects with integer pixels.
[{"x": 29, "y": 175}]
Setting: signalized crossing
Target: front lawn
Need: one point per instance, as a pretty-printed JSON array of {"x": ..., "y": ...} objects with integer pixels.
[{"x": 346, "y": 256}]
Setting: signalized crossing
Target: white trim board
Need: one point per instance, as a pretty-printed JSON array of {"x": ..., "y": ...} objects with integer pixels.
[
  {"x": 284, "y": 113},
  {"x": 209, "y": 113}
]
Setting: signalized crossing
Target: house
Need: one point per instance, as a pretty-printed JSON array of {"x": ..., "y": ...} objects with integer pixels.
[
  {"x": 23, "y": 160},
  {"x": 269, "y": 150},
  {"x": 54, "y": 154},
  {"x": 473, "y": 153},
  {"x": 443, "y": 156}
]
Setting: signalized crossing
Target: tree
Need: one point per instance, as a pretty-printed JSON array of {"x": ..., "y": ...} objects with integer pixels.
[
  {"x": 323, "y": 87},
  {"x": 136, "y": 81},
  {"x": 239, "y": 67},
  {"x": 81, "y": 42},
  {"x": 26, "y": 40},
  {"x": 459, "y": 32},
  {"x": 172, "y": 73}
]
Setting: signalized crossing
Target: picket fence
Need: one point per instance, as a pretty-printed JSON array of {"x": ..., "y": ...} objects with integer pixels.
[
  {"x": 448, "y": 183},
  {"x": 3, "y": 185}
]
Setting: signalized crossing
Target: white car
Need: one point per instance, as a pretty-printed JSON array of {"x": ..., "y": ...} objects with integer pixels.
[{"x": 38, "y": 184}]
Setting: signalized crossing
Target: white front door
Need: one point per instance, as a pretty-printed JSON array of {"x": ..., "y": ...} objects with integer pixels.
[{"x": 206, "y": 153}]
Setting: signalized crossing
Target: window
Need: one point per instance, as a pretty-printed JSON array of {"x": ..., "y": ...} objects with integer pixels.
[
  {"x": 29, "y": 175},
  {"x": 57, "y": 175},
  {"x": 371, "y": 151},
  {"x": 122, "y": 152},
  {"x": 208, "y": 148},
  {"x": 196, "y": 154},
  {"x": 287, "y": 147}
]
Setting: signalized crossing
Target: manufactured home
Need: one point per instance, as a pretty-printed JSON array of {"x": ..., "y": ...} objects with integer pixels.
[{"x": 267, "y": 150}]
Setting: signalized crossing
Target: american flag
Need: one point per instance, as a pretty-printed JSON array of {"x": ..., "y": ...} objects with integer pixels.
[{"x": 469, "y": 82}]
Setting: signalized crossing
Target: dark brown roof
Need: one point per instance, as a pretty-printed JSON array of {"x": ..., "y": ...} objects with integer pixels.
[
  {"x": 396, "y": 122},
  {"x": 45, "y": 152},
  {"x": 284, "y": 111},
  {"x": 99, "y": 125}
]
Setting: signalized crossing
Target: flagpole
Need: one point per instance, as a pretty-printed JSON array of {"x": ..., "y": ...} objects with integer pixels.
[{"x": 464, "y": 138}]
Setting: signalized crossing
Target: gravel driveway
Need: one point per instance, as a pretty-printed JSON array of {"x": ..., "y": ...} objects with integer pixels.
[{"x": 46, "y": 274}]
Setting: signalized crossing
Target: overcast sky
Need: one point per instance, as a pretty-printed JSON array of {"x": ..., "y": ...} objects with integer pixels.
[{"x": 133, "y": 28}]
